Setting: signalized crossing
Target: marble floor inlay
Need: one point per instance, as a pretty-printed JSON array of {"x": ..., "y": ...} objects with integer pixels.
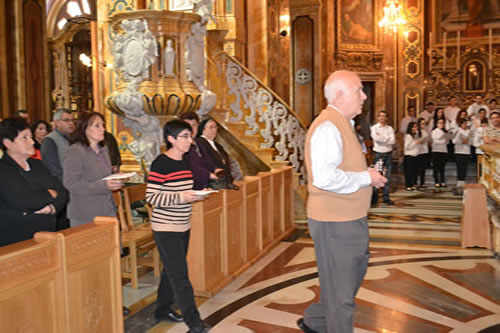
[{"x": 419, "y": 279}]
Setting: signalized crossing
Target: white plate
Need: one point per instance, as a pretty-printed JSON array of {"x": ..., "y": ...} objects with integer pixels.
[
  {"x": 203, "y": 193},
  {"x": 122, "y": 175}
]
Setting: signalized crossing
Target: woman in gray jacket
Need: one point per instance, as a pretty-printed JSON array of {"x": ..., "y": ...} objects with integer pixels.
[{"x": 86, "y": 163}]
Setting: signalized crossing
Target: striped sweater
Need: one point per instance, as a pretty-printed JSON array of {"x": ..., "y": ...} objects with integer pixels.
[{"x": 167, "y": 179}]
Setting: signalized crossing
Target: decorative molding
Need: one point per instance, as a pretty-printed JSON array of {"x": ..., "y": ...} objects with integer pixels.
[
  {"x": 359, "y": 61},
  {"x": 100, "y": 239},
  {"x": 25, "y": 264},
  {"x": 93, "y": 310},
  {"x": 266, "y": 116},
  {"x": 134, "y": 51}
]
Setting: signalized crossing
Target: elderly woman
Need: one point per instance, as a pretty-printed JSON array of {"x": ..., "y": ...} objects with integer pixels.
[
  {"x": 30, "y": 196},
  {"x": 214, "y": 152},
  {"x": 86, "y": 163},
  {"x": 203, "y": 168}
]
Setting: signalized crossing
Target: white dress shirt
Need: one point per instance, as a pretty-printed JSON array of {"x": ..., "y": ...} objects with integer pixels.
[
  {"x": 423, "y": 148},
  {"x": 403, "y": 126},
  {"x": 450, "y": 112},
  {"x": 439, "y": 140},
  {"x": 411, "y": 145},
  {"x": 474, "y": 108},
  {"x": 383, "y": 138},
  {"x": 326, "y": 156},
  {"x": 460, "y": 146},
  {"x": 477, "y": 139}
]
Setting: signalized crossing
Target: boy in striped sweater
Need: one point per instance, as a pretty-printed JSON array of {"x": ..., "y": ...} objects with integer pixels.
[{"x": 170, "y": 192}]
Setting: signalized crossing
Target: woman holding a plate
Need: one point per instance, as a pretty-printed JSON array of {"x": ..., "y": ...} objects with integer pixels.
[
  {"x": 86, "y": 163},
  {"x": 170, "y": 192}
]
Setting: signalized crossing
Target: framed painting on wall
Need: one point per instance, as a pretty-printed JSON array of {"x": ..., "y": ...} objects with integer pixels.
[
  {"x": 180, "y": 4},
  {"x": 357, "y": 24},
  {"x": 473, "y": 18}
]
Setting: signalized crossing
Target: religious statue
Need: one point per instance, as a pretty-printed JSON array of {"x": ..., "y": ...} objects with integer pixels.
[
  {"x": 204, "y": 9},
  {"x": 474, "y": 80},
  {"x": 169, "y": 59},
  {"x": 195, "y": 55},
  {"x": 146, "y": 128}
]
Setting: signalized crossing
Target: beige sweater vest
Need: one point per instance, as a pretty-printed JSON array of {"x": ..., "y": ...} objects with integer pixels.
[{"x": 329, "y": 206}]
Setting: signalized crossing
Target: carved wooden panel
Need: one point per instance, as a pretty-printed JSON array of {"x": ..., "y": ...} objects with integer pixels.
[
  {"x": 278, "y": 202},
  {"x": 235, "y": 239},
  {"x": 267, "y": 206},
  {"x": 253, "y": 219},
  {"x": 34, "y": 27},
  {"x": 303, "y": 68}
]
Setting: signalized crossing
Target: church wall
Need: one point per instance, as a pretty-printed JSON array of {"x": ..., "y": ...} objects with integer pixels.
[{"x": 24, "y": 74}]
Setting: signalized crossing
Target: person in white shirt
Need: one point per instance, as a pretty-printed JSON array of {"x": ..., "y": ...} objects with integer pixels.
[
  {"x": 477, "y": 121},
  {"x": 462, "y": 114},
  {"x": 383, "y": 141},
  {"x": 423, "y": 157},
  {"x": 477, "y": 136},
  {"x": 440, "y": 138},
  {"x": 338, "y": 181},
  {"x": 450, "y": 112},
  {"x": 492, "y": 106},
  {"x": 428, "y": 112},
  {"x": 439, "y": 114},
  {"x": 411, "y": 149},
  {"x": 462, "y": 141},
  {"x": 403, "y": 126},
  {"x": 478, "y": 104}
]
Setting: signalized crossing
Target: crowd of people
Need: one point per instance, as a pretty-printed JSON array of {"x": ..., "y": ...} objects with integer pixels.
[
  {"x": 55, "y": 179},
  {"x": 437, "y": 136}
]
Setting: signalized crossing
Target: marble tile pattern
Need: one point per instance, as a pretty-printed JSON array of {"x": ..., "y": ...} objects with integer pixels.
[{"x": 419, "y": 279}]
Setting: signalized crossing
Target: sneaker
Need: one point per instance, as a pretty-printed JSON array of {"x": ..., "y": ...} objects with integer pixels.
[
  {"x": 414, "y": 188},
  {"x": 443, "y": 185},
  {"x": 409, "y": 188},
  {"x": 437, "y": 185}
]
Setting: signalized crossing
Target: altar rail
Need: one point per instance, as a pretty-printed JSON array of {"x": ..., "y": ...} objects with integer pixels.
[
  {"x": 230, "y": 229},
  {"x": 63, "y": 282}
]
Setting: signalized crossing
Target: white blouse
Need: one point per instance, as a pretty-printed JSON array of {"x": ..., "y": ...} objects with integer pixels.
[{"x": 439, "y": 140}]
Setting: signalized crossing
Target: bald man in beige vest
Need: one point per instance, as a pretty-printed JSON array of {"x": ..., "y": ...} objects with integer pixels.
[{"x": 340, "y": 189}]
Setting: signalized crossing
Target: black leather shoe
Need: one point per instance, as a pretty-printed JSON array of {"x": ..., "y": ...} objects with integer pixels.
[
  {"x": 202, "y": 328},
  {"x": 389, "y": 202},
  {"x": 302, "y": 325},
  {"x": 126, "y": 311},
  {"x": 171, "y": 316}
]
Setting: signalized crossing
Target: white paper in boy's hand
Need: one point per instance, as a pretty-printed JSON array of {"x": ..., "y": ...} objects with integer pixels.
[
  {"x": 122, "y": 175},
  {"x": 203, "y": 193}
]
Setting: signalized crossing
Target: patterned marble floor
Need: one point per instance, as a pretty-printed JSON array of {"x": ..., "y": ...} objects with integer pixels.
[{"x": 418, "y": 280}]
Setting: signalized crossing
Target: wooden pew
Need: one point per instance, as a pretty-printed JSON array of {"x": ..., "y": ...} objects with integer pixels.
[
  {"x": 230, "y": 230},
  {"x": 63, "y": 282}
]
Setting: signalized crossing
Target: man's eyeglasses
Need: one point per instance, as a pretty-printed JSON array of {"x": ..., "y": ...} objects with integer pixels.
[
  {"x": 67, "y": 120},
  {"x": 185, "y": 136}
]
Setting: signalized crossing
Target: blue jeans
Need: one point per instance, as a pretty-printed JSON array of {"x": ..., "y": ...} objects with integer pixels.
[{"x": 387, "y": 159}]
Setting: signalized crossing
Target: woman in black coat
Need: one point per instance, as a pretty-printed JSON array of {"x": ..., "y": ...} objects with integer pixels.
[{"x": 30, "y": 196}]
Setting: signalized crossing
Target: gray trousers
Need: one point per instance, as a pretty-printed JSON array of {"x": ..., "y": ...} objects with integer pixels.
[{"x": 342, "y": 256}]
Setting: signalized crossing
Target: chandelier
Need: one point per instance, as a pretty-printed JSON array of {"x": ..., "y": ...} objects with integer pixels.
[{"x": 393, "y": 18}]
